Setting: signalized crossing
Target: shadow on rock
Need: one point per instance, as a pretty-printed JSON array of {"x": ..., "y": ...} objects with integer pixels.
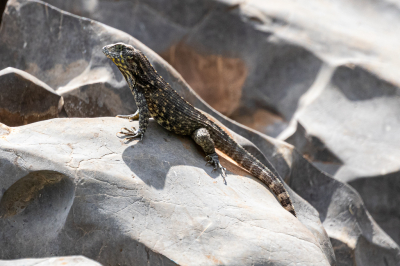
[
  {"x": 33, "y": 211},
  {"x": 152, "y": 158},
  {"x": 381, "y": 197},
  {"x": 359, "y": 85}
]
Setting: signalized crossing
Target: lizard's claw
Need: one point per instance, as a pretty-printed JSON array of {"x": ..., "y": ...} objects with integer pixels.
[
  {"x": 130, "y": 134},
  {"x": 130, "y": 117},
  {"x": 212, "y": 159}
]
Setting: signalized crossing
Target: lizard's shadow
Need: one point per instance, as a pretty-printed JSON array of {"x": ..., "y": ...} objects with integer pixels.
[{"x": 152, "y": 158}]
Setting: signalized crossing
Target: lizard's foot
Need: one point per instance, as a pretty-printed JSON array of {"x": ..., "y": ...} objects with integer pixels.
[
  {"x": 131, "y": 117},
  {"x": 213, "y": 160},
  {"x": 131, "y": 133}
]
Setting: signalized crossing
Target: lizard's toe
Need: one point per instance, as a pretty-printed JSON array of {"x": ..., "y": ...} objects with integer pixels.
[{"x": 130, "y": 134}]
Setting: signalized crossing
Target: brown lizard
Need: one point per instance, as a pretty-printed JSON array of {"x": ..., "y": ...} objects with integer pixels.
[{"x": 155, "y": 98}]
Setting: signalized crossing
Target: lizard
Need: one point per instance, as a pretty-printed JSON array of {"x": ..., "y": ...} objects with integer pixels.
[{"x": 155, "y": 98}]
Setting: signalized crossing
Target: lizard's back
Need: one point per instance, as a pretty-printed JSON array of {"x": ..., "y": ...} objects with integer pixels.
[{"x": 174, "y": 113}]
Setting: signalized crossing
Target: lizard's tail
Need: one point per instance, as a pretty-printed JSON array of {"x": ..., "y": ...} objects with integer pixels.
[{"x": 257, "y": 169}]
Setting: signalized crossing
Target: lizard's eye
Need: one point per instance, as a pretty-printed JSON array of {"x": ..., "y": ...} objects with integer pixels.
[{"x": 118, "y": 47}]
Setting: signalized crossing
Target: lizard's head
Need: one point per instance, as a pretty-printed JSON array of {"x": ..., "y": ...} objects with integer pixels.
[{"x": 121, "y": 54}]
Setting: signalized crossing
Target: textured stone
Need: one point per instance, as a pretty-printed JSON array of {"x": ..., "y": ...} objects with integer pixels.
[
  {"x": 356, "y": 238},
  {"x": 322, "y": 76},
  {"x": 72, "y": 186},
  {"x": 64, "y": 51},
  {"x": 25, "y": 99},
  {"x": 381, "y": 197}
]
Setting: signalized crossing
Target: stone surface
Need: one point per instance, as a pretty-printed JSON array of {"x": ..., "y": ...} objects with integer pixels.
[
  {"x": 72, "y": 186},
  {"x": 64, "y": 51},
  {"x": 381, "y": 196},
  {"x": 356, "y": 238},
  {"x": 320, "y": 75},
  {"x": 25, "y": 99},
  {"x": 55, "y": 261}
]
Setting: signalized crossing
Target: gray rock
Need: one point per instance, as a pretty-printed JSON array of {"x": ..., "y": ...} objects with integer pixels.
[
  {"x": 381, "y": 197},
  {"x": 355, "y": 236},
  {"x": 362, "y": 111},
  {"x": 72, "y": 186},
  {"x": 262, "y": 47},
  {"x": 360, "y": 142},
  {"x": 323, "y": 77},
  {"x": 64, "y": 51},
  {"x": 25, "y": 99},
  {"x": 218, "y": 48},
  {"x": 55, "y": 261},
  {"x": 288, "y": 163}
]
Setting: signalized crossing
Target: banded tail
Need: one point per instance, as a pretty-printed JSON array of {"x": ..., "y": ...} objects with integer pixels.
[{"x": 227, "y": 145}]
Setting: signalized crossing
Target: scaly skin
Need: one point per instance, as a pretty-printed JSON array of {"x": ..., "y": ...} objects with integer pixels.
[{"x": 156, "y": 98}]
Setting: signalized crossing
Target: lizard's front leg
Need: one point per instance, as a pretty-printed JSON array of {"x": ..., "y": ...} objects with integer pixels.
[
  {"x": 144, "y": 116},
  {"x": 132, "y": 83},
  {"x": 202, "y": 137}
]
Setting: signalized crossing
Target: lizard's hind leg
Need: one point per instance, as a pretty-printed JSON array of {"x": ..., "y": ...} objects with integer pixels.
[{"x": 202, "y": 137}]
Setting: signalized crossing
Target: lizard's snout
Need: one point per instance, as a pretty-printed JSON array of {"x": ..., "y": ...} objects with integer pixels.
[{"x": 105, "y": 51}]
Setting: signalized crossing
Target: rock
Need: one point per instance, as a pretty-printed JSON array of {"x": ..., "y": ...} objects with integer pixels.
[
  {"x": 64, "y": 51},
  {"x": 74, "y": 65},
  {"x": 72, "y": 186},
  {"x": 380, "y": 195},
  {"x": 361, "y": 110},
  {"x": 323, "y": 77},
  {"x": 209, "y": 47},
  {"x": 361, "y": 135},
  {"x": 355, "y": 236},
  {"x": 288, "y": 163},
  {"x": 55, "y": 261},
  {"x": 216, "y": 46},
  {"x": 25, "y": 99}
]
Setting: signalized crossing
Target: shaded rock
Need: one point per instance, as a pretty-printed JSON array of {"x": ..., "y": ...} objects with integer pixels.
[
  {"x": 314, "y": 150},
  {"x": 25, "y": 99},
  {"x": 381, "y": 196},
  {"x": 268, "y": 122},
  {"x": 217, "y": 79},
  {"x": 356, "y": 236},
  {"x": 55, "y": 261},
  {"x": 151, "y": 202},
  {"x": 64, "y": 51}
]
